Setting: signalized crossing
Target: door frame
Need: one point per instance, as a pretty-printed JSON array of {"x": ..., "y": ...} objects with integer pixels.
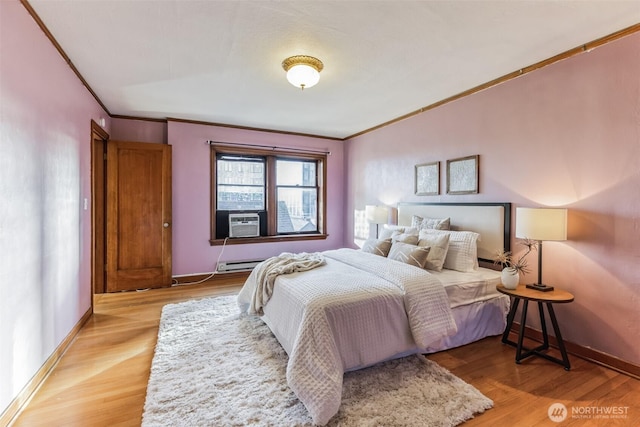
[{"x": 99, "y": 138}]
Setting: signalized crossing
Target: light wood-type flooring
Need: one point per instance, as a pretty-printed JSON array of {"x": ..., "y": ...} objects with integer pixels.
[{"x": 101, "y": 380}]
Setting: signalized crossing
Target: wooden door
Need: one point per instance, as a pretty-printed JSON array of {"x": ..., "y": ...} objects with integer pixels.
[{"x": 138, "y": 215}]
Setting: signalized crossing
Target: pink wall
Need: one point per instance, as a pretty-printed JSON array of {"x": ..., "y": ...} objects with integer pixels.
[
  {"x": 566, "y": 135},
  {"x": 45, "y": 232},
  {"x": 191, "y": 196},
  {"x": 138, "y": 130}
]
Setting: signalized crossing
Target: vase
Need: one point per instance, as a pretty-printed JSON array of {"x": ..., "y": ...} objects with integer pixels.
[{"x": 510, "y": 278}]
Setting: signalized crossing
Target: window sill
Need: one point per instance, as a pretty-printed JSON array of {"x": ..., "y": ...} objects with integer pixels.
[{"x": 268, "y": 239}]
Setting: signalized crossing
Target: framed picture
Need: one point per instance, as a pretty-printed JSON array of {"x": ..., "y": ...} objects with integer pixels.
[
  {"x": 427, "y": 179},
  {"x": 462, "y": 175}
]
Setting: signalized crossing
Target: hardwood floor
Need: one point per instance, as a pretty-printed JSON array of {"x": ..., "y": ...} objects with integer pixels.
[{"x": 101, "y": 380}]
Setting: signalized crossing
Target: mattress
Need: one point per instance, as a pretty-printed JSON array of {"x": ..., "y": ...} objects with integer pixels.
[
  {"x": 476, "y": 321},
  {"x": 478, "y": 308},
  {"x": 469, "y": 288}
]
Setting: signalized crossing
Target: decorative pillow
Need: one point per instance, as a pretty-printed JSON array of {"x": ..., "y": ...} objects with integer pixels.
[
  {"x": 430, "y": 223},
  {"x": 416, "y": 221},
  {"x": 388, "y": 230},
  {"x": 411, "y": 230},
  {"x": 378, "y": 247},
  {"x": 409, "y": 254},
  {"x": 439, "y": 244},
  {"x": 411, "y": 239},
  {"x": 462, "y": 254},
  {"x": 436, "y": 223}
]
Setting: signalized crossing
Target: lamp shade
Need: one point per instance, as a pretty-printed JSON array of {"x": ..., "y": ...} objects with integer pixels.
[
  {"x": 541, "y": 223},
  {"x": 376, "y": 214}
]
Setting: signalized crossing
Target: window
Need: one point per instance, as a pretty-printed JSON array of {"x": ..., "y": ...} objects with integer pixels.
[
  {"x": 285, "y": 189},
  {"x": 241, "y": 183},
  {"x": 297, "y": 196}
]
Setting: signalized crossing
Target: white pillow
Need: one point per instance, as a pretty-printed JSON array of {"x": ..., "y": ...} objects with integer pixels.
[
  {"x": 439, "y": 246},
  {"x": 430, "y": 223},
  {"x": 409, "y": 254},
  {"x": 462, "y": 254},
  {"x": 388, "y": 230}
]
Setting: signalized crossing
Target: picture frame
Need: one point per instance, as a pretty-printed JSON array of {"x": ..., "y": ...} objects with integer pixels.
[
  {"x": 427, "y": 179},
  {"x": 462, "y": 175}
]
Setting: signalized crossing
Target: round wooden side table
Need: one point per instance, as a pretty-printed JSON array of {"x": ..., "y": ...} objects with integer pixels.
[{"x": 522, "y": 293}]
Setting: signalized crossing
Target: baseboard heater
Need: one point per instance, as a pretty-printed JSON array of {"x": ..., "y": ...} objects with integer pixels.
[{"x": 236, "y": 266}]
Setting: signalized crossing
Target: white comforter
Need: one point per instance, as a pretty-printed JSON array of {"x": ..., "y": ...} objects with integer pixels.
[
  {"x": 349, "y": 280},
  {"x": 268, "y": 271}
]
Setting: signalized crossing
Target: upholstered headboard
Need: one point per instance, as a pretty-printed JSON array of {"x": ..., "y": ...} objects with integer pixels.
[{"x": 491, "y": 220}]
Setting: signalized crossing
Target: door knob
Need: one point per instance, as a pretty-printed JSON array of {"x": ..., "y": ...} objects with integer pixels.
[{"x": 165, "y": 225}]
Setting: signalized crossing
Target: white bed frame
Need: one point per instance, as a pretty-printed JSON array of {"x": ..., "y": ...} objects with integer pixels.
[{"x": 491, "y": 220}]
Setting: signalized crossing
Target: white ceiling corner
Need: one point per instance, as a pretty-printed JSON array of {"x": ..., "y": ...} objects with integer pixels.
[{"x": 220, "y": 61}]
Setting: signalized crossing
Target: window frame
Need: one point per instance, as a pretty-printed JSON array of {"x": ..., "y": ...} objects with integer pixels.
[
  {"x": 271, "y": 155},
  {"x": 315, "y": 187}
]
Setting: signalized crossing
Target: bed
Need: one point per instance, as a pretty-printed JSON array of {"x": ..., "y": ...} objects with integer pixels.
[{"x": 358, "y": 309}]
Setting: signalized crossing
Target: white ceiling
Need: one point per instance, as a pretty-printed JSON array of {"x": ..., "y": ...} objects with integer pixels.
[{"x": 220, "y": 61}]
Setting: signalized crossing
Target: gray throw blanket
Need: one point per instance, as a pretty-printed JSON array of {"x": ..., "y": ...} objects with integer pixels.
[{"x": 267, "y": 271}]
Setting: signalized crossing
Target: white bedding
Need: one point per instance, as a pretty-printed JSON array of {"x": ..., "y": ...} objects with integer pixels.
[
  {"x": 467, "y": 288},
  {"x": 355, "y": 311},
  {"x": 476, "y": 321}
]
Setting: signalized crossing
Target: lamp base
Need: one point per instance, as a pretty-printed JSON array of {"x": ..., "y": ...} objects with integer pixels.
[{"x": 540, "y": 287}]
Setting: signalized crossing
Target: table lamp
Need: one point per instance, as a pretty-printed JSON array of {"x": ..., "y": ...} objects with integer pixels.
[
  {"x": 541, "y": 224},
  {"x": 376, "y": 215}
]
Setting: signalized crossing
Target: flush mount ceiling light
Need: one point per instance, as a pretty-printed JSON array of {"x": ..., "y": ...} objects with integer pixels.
[{"x": 302, "y": 71}]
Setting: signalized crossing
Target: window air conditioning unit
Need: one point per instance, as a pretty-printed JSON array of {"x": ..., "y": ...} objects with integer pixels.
[{"x": 244, "y": 225}]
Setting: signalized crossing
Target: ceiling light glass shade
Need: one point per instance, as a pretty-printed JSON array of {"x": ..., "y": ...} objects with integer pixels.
[
  {"x": 302, "y": 71},
  {"x": 303, "y": 76}
]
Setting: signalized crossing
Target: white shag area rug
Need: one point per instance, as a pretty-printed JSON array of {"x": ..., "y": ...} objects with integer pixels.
[{"x": 215, "y": 367}]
